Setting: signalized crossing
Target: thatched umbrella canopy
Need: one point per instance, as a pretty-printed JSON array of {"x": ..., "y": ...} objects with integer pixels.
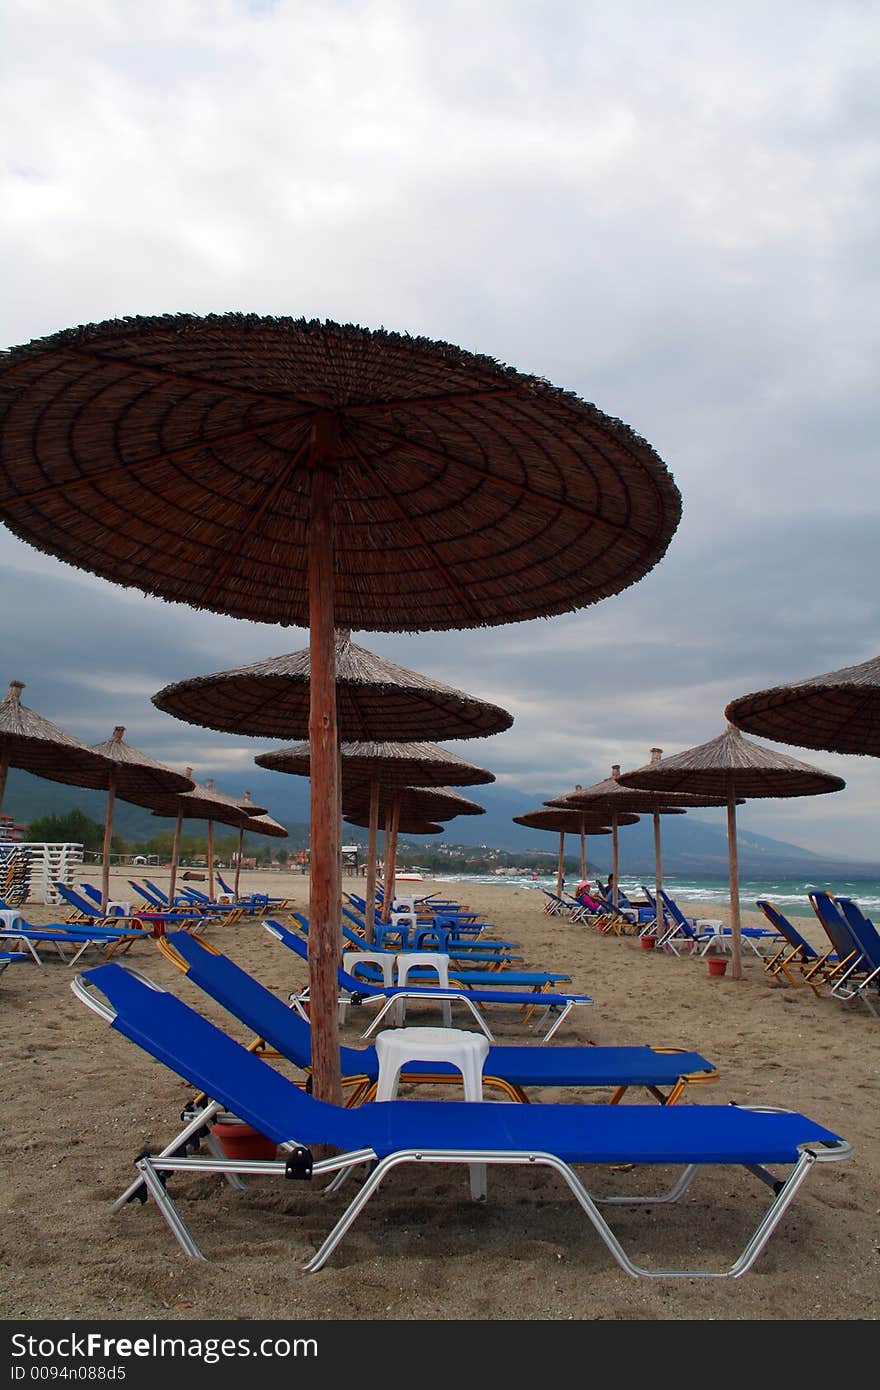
[
  {"x": 613, "y": 796},
  {"x": 375, "y": 699},
  {"x": 371, "y": 767},
  {"x": 36, "y": 745},
  {"x": 838, "y": 712},
  {"x": 733, "y": 767},
  {"x": 568, "y": 822},
  {"x": 132, "y": 776},
  {"x": 305, "y": 472},
  {"x": 201, "y": 803}
]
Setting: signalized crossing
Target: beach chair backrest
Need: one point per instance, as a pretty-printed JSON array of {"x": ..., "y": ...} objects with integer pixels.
[
  {"x": 866, "y": 935},
  {"x": 676, "y": 914},
  {"x": 834, "y": 924},
  {"x": 780, "y": 923}
]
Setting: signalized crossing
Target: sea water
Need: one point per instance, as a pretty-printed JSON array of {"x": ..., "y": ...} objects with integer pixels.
[{"x": 788, "y": 893}]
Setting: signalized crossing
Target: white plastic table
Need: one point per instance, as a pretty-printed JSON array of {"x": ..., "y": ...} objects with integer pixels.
[
  {"x": 466, "y": 1051},
  {"x": 118, "y": 907},
  {"x": 11, "y": 917}
]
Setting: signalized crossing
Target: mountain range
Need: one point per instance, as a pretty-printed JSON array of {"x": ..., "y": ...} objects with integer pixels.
[{"x": 691, "y": 845}]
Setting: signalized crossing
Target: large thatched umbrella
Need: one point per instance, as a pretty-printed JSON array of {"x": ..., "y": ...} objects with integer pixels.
[
  {"x": 374, "y": 766},
  {"x": 612, "y": 797},
  {"x": 36, "y": 745},
  {"x": 838, "y": 712},
  {"x": 375, "y": 699},
  {"x": 131, "y": 776},
  {"x": 568, "y": 822},
  {"x": 201, "y": 803},
  {"x": 733, "y": 767},
  {"x": 312, "y": 473}
]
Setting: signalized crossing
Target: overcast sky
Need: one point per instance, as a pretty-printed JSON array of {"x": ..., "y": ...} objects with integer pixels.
[{"x": 671, "y": 210}]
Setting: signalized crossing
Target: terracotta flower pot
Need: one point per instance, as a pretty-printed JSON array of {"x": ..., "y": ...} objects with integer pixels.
[
  {"x": 717, "y": 965},
  {"x": 238, "y": 1140},
  {"x": 648, "y": 942}
]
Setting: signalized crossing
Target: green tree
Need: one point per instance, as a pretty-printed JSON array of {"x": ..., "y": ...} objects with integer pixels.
[{"x": 74, "y": 827}]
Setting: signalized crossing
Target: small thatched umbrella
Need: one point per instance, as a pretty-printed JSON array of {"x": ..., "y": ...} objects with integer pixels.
[
  {"x": 429, "y": 803},
  {"x": 733, "y": 767},
  {"x": 609, "y": 799},
  {"x": 838, "y": 712},
  {"x": 306, "y": 472},
  {"x": 377, "y": 766},
  {"x": 568, "y": 822},
  {"x": 202, "y": 803},
  {"x": 132, "y": 776},
  {"x": 36, "y": 745},
  {"x": 256, "y": 825},
  {"x": 613, "y": 796}
]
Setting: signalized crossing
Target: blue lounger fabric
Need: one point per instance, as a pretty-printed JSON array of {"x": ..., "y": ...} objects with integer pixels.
[
  {"x": 209, "y": 1059},
  {"x": 282, "y": 1028}
]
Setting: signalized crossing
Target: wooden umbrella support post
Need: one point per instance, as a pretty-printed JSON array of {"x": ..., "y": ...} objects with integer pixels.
[
  {"x": 175, "y": 855},
  {"x": 735, "y": 921},
  {"x": 325, "y": 884},
  {"x": 560, "y": 865},
  {"x": 370, "y": 888},
  {"x": 211, "y": 860},
  {"x": 235, "y": 886},
  {"x": 391, "y": 858},
  {"x": 108, "y": 835}
]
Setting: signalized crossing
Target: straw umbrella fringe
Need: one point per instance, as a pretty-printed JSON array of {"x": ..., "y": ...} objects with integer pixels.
[
  {"x": 235, "y": 447},
  {"x": 735, "y": 767}
]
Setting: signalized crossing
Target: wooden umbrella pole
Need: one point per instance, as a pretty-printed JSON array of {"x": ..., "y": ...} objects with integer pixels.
[
  {"x": 4, "y": 773},
  {"x": 614, "y": 860},
  {"x": 560, "y": 867},
  {"x": 238, "y": 861},
  {"x": 735, "y": 924},
  {"x": 391, "y": 860},
  {"x": 325, "y": 884},
  {"x": 583, "y": 852},
  {"x": 175, "y": 853},
  {"x": 108, "y": 835},
  {"x": 658, "y": 872},
  {"x": 211, "y": 860},
  {"x": 370, "y": 889}
]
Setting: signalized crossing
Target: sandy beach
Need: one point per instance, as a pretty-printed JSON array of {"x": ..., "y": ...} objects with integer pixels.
[{"x": 82, "y": 1102}]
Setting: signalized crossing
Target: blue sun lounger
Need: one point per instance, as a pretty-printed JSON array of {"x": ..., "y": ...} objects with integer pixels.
[
  {"x": 509, "y": 1068},
  {"x": 863, "y": 976},
  {"x": 69, "y": 937},
  {"x": 553, "y": 1008},
  {"x": 380, "y": 1136}
]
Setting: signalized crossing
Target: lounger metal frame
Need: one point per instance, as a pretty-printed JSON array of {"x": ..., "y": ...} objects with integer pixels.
[{"x": 299, "y": 1164}]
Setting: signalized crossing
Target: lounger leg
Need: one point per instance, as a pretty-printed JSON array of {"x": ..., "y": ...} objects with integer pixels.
[
  {"x": 189, "y": 1130},
  {"x": 785, "y": 1195}
]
